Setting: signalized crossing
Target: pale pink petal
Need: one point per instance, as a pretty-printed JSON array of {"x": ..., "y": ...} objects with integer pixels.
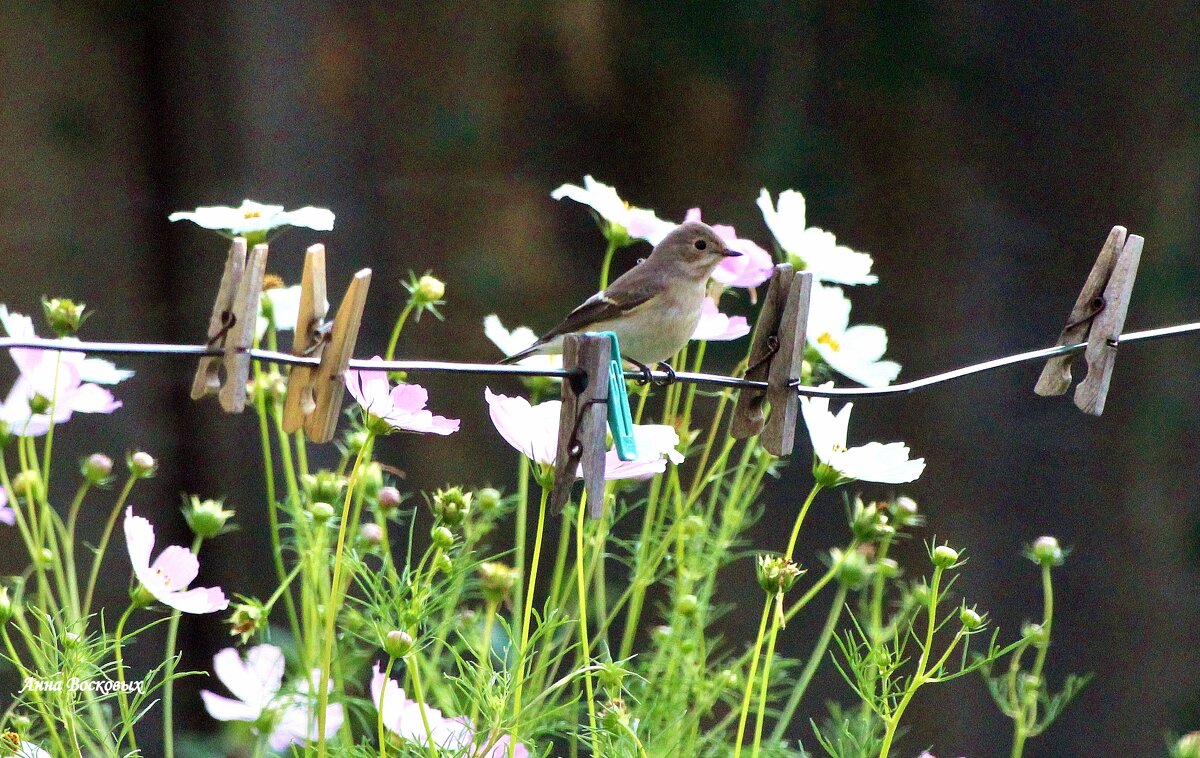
[
  {"x": 531, "y": 430},
  {"x": 409, "y": 397},
  {"x": 226, "y": 709},
  {"x": 92, "y": 398},
  {"x": 7, "y": 515},
  {"x": 368, "y": 387},
  {"x": 139, "y": 540},
  {"x": 298, "y": 726},
  {"x": 265, "y": 664},
  {"x": 500, "y": 749},
  {"x": 615, "y": 468},
  {"x": 394, "y": 698},
  {"x": 196, "y": 600},
  {"x": 717, "y": 326},
  {"x": 177, "y": 566}
]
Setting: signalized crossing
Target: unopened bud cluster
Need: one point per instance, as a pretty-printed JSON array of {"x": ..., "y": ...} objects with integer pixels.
[
  {"x": 870, "y": 522},
  {"x": 1046, "y": 551},
  {"x": 64, "y": 316},
  {"x": 96, "y": 469},
  {"x": 207, "y": 518},
  {"x": 944, "y": 556},
  {"x": 452, "y": 505},
  {"x": 496, "y": 580},
  {"x": 247, "y": 619},
  {"x": 141, "y": 465},
  {"x": 777, "y": 574},
  {"x": 323, "y": 487}
]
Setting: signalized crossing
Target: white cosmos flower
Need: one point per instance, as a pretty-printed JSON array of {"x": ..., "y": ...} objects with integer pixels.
[
  {"x": 284, "y": 304},
  {"x": 252, "y": 217},
  {"x": 626, "y": 220},
  {"x": 810, "y": 248},
  {"x": 511, "y": 343},
  {"x": 855, "y": 352},
  {"x": 838, "y": 464}
]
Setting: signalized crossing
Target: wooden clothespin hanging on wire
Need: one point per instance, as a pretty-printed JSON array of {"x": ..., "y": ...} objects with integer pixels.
[
  {"x": 776, "y": 356},
  {"x": 316, "y": 393},
  {"x": 593, "y": 398},
  {"x": 231, "y": 328},
  {"x": 312, "y": 332},
  {"x": 1098, "y": 317}
]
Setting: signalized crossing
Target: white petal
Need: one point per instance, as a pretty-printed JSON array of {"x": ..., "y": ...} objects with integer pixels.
[{"x": 226, "y": 709}]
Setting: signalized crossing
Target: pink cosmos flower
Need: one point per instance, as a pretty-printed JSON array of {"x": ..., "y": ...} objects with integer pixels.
[
  {"x": 403, "y": 718},
  {"x": 170, "y": 574},
  {"x": 750, "y": 269},
  {"x": 716, "y": 326},
  {"x": 71, "y": 380},
  {"x": 533, "y": 431},
  {"x": 400, "y": 408},
  {"x": 256, "y": 682},
  {"x": 7, "y": 516}
]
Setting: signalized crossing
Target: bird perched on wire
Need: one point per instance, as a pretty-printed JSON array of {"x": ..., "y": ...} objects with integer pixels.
[{"x": 654, "y": 307}]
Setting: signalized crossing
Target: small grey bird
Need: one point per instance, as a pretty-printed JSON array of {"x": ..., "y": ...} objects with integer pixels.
[{"x": 655, "y": 306}]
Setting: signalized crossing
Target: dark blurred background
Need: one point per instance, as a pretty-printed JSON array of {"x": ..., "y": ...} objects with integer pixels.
[{"x": 980, "y": 151}]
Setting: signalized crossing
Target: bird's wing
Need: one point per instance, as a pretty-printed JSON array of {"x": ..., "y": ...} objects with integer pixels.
[{"x": 604, "y": 306}]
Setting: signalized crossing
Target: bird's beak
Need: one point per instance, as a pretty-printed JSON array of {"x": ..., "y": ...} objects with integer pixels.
[{"x": 731, "y": 254}]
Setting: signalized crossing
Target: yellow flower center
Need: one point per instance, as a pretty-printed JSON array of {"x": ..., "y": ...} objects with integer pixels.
[
  {"x": 252, "y": 214},
  {"x": 827, "y": 339}
]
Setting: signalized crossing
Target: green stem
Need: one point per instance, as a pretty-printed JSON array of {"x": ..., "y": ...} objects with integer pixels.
[
  {"x": 918, "y": 679},
  {"x": 387, "y": 677},
  {"x": 414, "y": 670},
  {"x": 751, "y": 677},
  {"x": 391, "y": 349},
  {"x": 810, "y": 668},
  {"x": 169, "y": 684},
  {"x": 50, "y": 432},
  {"x": 585, "y": 651},
  {"x": 335, "y": 601},
  {"x": 607, "y": 264},
  {"x": 122, "y": 698},
  {"x": 69, "y": 544},
  {"x": 529, "y": 592},
  {"x": 272, "y": 502},
  {"x": 791, "y": 548},
  {"x": 35, "y": 695},
  {"x": 103, "y": 546}
]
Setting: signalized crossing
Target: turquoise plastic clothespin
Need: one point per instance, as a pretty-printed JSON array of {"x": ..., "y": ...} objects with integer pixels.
[{"x": 620, "y": 420}]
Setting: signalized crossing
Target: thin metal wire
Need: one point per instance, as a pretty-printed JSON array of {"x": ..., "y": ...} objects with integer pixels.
[{"x": 492, "y": 369}]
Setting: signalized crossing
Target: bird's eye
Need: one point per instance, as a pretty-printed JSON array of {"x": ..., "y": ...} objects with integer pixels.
[{"x": 701, "y": 244}]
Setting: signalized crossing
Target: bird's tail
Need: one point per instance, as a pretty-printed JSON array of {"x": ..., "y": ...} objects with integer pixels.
[{"x": 531, "y": 350}]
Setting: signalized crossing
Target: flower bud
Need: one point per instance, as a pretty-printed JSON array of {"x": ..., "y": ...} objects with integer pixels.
[
  {"x": 321, "y": 512},
  {"x": 354, "y": 440},
  {"x": 488, "y": 499},
  {"x": 443, "y": 564},
  {"x": 371, "y": 534},
  {"x": 727, "y": 679},
  {"x": 853, "y": 568},
  {"x": 1035, "y": 633},
  {"x": 388, "y": 499},
  {"x": 207, "y": 518},
  {"x": 451, "y": 505},
  {"x": 141, "y": 465},
  {"x": 96, "y": 469},
  {"x": 691, "y": 526},
  {"x": 777, "y": 574},
  {"x": 687, "y": 605},
  {"x": 1046, "y": 551},
  {"x": 21, "y": 722},
  {"x": 920, "y": 594},
  {"x": 370, "y": 481},
  {"x": 905, "y": 513},
  {"x": 1187, "y": 746},
  {"x": 247, "y": 618},
  {"x": 27, "y": 485},
  {"x": 430, "y": 289},
  {"x": 71, "y": 640},
  {"x": 614, "y": 714},
  {"x": 64, "y": 316},
  {"x": 6, "y": 606},
  {"x": 39, "y": 404},
  {"x": 45, "y": 557},
  {"x": 887, "y": 568},
  {"x": 970, "y": 618},
  {"x": 869, "y": 522},
  {"x": 496, "y": 580},
  {"x": 944, "y": 556},
  {"x": 323, "y": 487},
  {"x": 397, "y": 644},
  {"x": 1030, "y": 684},
  {"x": 660, "y": 634},
  {"x": 442, "y": 537}
]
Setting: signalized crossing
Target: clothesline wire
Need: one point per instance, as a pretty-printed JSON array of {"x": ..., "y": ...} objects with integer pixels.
[{"x": 491, "y": 369}]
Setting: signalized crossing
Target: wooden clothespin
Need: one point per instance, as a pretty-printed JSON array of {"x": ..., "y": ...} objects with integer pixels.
[
  {"x": 312, "y": 332},
  {"x": 328, "y": 379},
  {"x": 582, "y": 421},
  {"x": 748, "y": 414},
  {"x": 1098, "y": 316},
  {"x": 776, "y": 355},
  {"x": 231, "y": 328}
]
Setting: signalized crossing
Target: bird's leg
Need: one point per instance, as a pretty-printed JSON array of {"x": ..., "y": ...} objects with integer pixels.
[{"x": 647, "y": 375}]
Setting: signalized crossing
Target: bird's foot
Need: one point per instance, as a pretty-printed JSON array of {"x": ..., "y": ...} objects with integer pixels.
[
  {"x": 647, "y": 376},
  {"x": 670, "y": 374}
]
